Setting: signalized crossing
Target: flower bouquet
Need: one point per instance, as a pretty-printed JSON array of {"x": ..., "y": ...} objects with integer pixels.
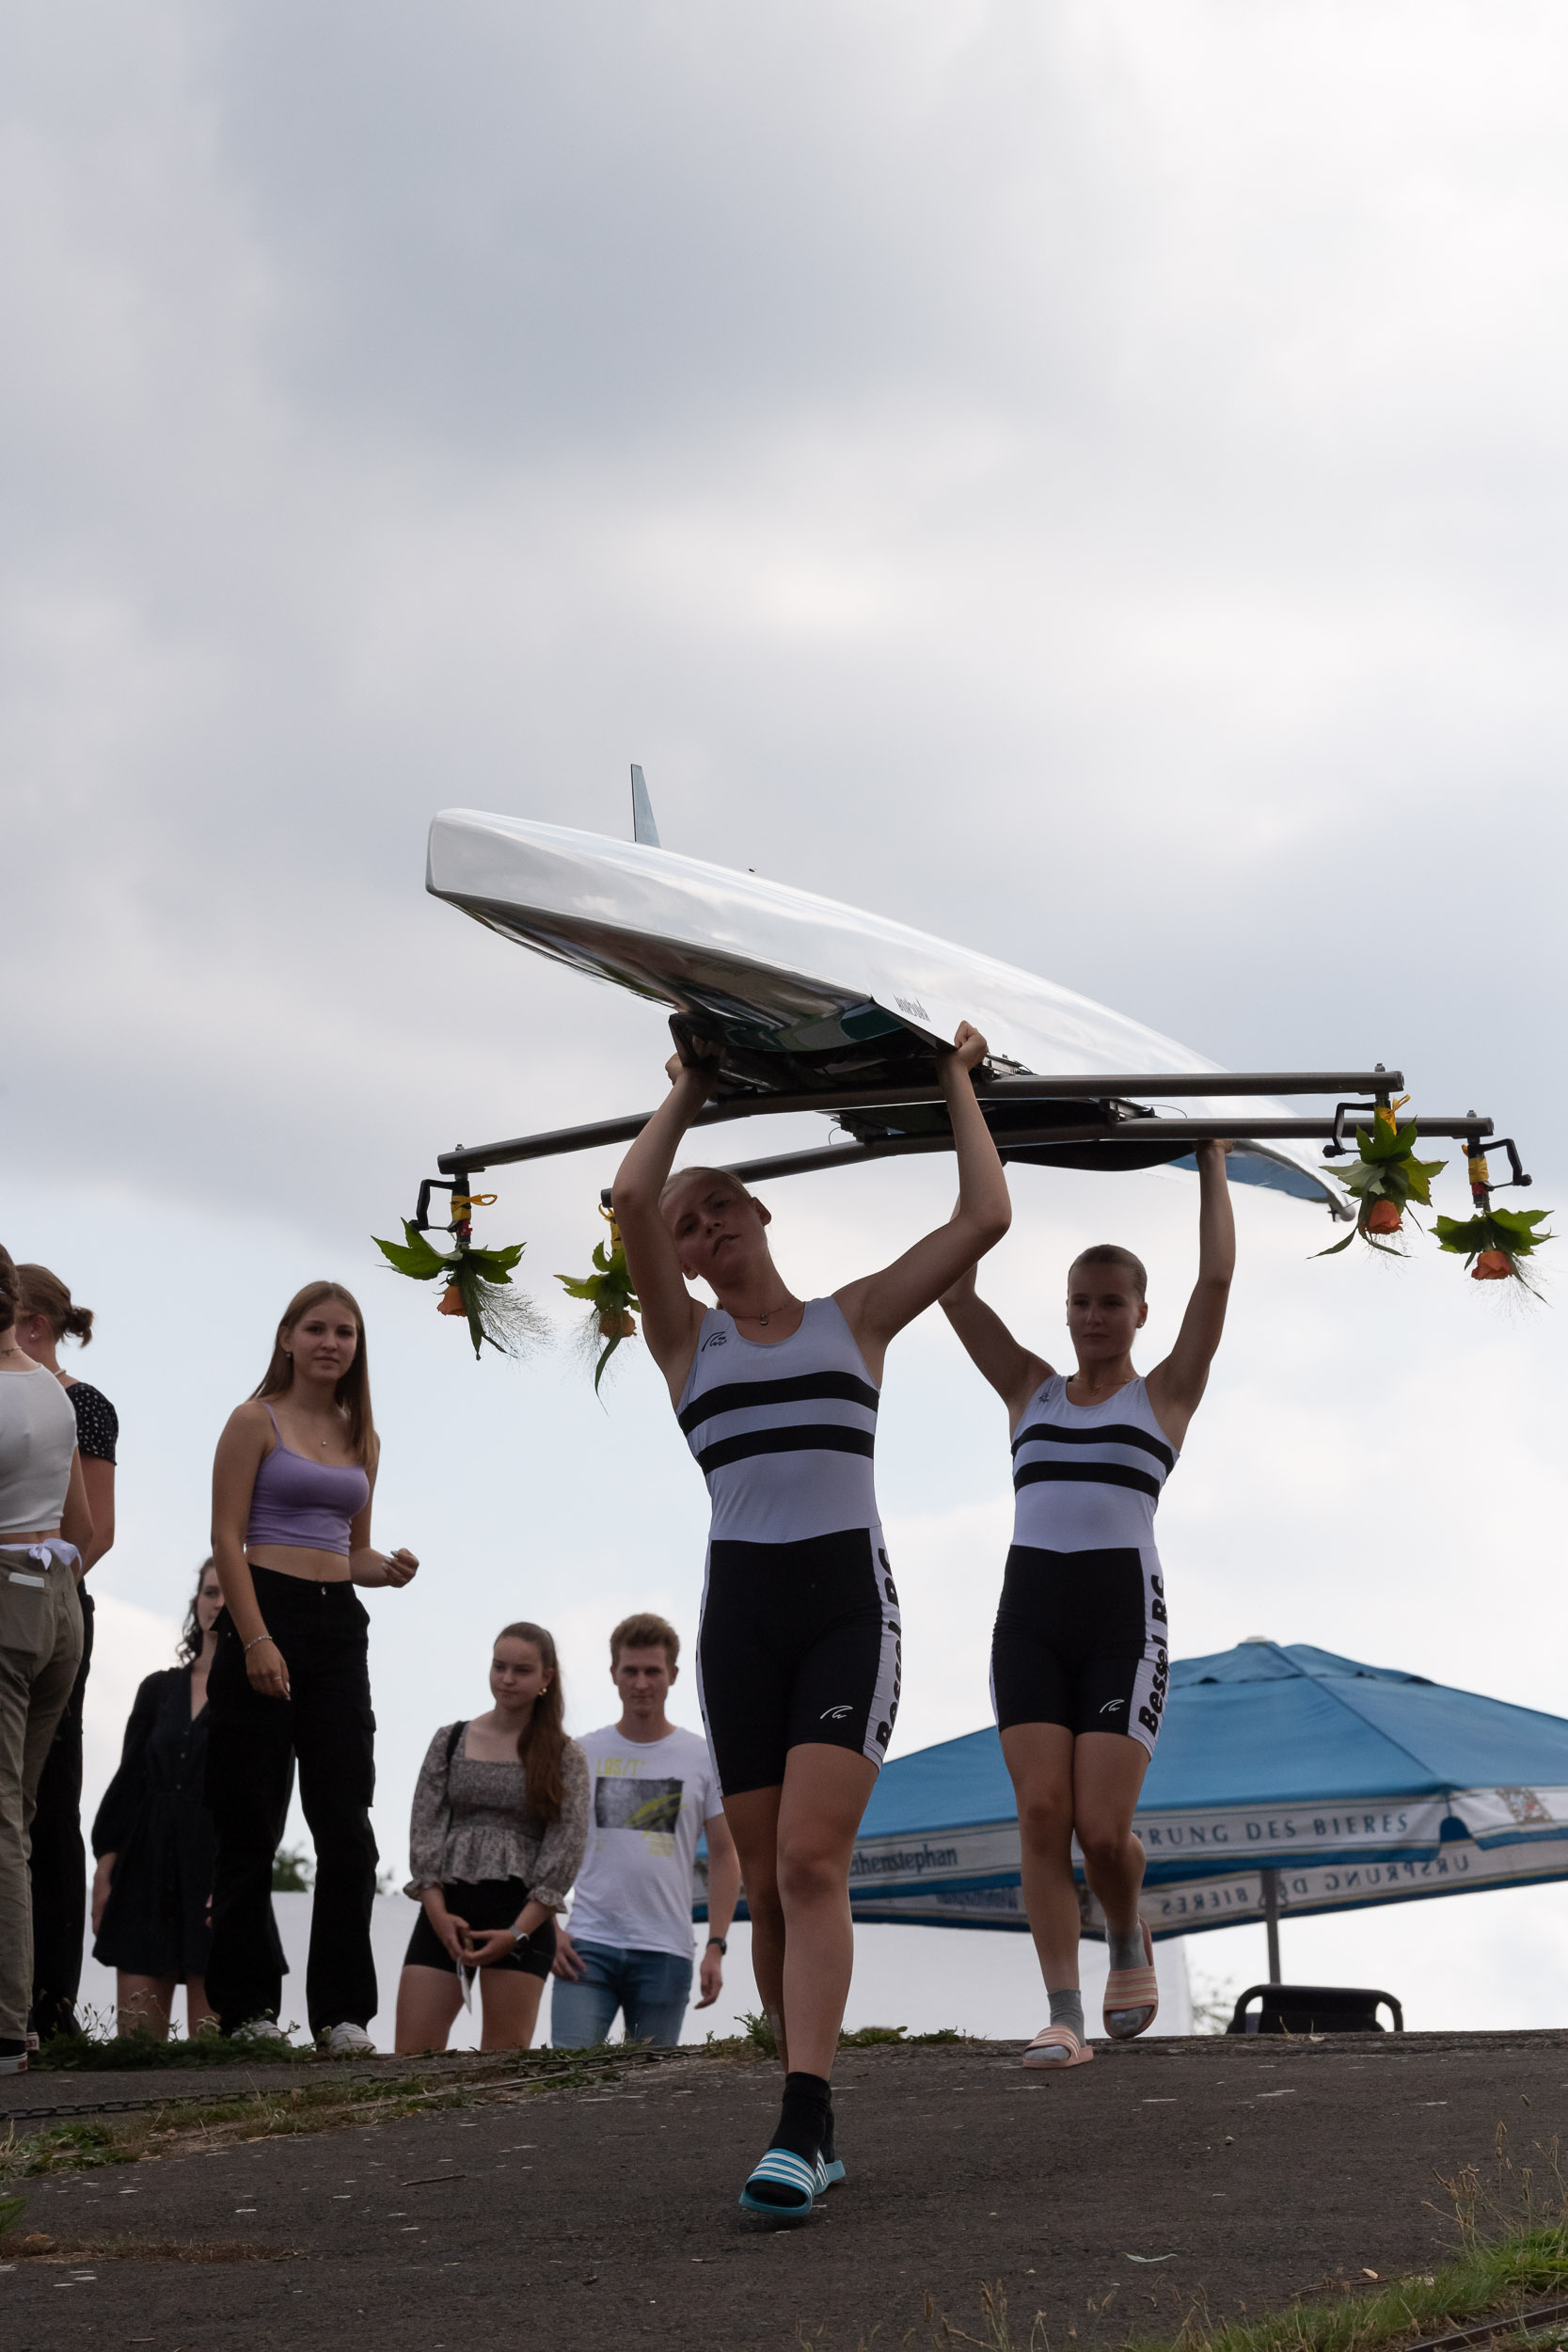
[
  {"x": 477, "y": 1285},
  {"x": 1492, "y": 1241},
  {"x": 1495, "y": 1242},
  {"x": 1383, "y": 1179},
  {"x": 612, "y": 1302}
]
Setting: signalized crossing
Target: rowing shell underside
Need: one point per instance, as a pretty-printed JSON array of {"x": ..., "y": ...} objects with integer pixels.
[{"x": 806, "y": 995}]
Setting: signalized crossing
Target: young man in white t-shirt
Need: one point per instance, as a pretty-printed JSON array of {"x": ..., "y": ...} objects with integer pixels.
[{"x": 655, "y": 1790}]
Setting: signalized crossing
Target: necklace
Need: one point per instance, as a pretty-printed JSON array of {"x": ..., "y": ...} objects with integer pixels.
[{"x": 764, "y": 1319}]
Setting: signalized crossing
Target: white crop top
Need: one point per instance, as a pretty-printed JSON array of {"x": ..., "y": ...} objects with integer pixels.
[{"x": 38, "y": 1439}]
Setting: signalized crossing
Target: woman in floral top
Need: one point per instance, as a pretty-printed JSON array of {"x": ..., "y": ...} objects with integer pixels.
[{"x": 500, "y": 1820}]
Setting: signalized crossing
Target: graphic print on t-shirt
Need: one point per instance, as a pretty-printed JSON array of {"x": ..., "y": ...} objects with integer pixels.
[{"x": 653, "y": 1807}]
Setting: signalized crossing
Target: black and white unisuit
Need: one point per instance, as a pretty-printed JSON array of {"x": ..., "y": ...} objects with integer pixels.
[
  {"x": 801, "y": 1639},
  {"x": 1082, "y": 1634}
]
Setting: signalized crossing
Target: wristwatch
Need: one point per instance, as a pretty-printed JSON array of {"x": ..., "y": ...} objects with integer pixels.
[{"x": 720, "y": 1941}]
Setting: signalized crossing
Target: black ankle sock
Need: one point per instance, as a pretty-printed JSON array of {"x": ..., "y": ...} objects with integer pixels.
[
  {"x": 825, "y": 2149},
  {"x": 806, "y": 2123},
  {"x": 804, "y": 2118}
]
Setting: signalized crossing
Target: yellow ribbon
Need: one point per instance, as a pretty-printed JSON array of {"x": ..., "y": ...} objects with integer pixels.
[
  {"x": 473, "y": 1201},
  {"x": 609, "y": 1216}
]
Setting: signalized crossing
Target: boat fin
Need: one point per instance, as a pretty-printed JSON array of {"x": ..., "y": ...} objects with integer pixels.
[{"x": 643, "y": 826}]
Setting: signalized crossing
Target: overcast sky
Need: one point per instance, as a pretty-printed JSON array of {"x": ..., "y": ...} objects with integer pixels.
[{"x": 1086, "y": 480}]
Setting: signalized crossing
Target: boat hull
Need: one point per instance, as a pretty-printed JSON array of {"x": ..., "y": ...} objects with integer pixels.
[{"x": 803, "y": 992}]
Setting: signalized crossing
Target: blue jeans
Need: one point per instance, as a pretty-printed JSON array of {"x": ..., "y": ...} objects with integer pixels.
[{"x": 653, "y": 1989}]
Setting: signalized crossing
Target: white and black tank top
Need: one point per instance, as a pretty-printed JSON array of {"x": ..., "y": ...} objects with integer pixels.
[
  {"x": 1088, "y": 1477},
  {"x": 784, "y": 1434}
]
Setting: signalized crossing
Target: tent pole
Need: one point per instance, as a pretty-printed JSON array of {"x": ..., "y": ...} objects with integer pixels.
[{"x": 1271, "y": 1920}]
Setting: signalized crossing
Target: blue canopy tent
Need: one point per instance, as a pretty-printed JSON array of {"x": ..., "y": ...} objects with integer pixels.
[{"x": 1286, "y": 1780}]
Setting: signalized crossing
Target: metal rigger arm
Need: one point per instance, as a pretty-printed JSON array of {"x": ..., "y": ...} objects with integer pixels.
[{"x": 1114, "y": 1113}]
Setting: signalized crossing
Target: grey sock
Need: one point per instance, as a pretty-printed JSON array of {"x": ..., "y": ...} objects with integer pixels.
[
  {"x": 1066, "y": 2009},
  {"x": 1126, "y": 1951}
]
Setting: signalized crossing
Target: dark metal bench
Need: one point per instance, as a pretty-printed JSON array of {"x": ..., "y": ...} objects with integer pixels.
[{"x": 1313, "y": 2008}]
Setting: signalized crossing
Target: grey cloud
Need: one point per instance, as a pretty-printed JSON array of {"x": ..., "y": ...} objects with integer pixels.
[{"x": 1040, "y": 480}]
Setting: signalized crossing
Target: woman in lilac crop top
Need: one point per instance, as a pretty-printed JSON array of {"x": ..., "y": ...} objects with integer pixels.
[{"x": 291, "y": 1490}]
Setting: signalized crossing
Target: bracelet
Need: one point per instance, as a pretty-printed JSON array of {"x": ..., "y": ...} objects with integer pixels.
[
  {"x": 261, "y": 1637},
  {"x": 723, "y": 1945}
]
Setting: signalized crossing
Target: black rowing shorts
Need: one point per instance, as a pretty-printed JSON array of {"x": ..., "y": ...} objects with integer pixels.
[
  {"x": 1081, "y": 1639},
  {"x": 800, "y": 1644},
  {"x": 485, "y": 1903}
]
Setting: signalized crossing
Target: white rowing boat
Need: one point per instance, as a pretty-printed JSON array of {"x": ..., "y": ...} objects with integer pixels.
[{"x": 820, "y": 1004}]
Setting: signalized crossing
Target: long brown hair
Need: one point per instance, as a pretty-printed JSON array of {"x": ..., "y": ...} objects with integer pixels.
[
  {"x": 353, "y": 1391},
  {"x": 44, "y": 1294},
  {"x": 542, "y": 1742},
  {"x": 191, "y": 1637},
  {"x": 8, "y": 1288}
]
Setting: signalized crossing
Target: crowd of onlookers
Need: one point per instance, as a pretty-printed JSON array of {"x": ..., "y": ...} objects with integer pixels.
[{"x": 270, "y": 1688}]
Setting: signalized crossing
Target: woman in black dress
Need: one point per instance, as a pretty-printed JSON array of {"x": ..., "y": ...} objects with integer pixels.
[{"x": 153, "y": 1839}]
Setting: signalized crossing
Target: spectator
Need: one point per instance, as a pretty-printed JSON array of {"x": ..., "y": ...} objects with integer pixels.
[
  {"x": 45, "y": 1527},
  {"x": 292, "y": 1489},
  {"x": 46, "y": 1317},
  {"x": 654, "y": 1789},
  {"x": 154, "y": 1843},
  {"x": 501, "y": 1813}
]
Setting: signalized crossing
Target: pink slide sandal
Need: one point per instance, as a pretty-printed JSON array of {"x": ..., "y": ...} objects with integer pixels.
[
  {"x": 1056, "y": 2037},
  {"x": 1133, "y": 1988}
]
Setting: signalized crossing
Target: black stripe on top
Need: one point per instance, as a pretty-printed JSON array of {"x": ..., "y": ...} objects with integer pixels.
[
  {"x": 1086, "y": 1474},
  {"x": 803, "y": 1389},
  {"x": 1114, "y": 1433},
  {"x": 811, "y": 1437}
]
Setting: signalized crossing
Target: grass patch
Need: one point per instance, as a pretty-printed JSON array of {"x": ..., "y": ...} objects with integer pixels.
[
  {"x": 1512, "y": 2256},
  {"x": 63, "y": 2148},
  {"x": 141, "y": 2052},
  {"x": 757, "y": 2035},
  {"x": 1510, "y": 2275},
  {"x": 281, "y": 2110}
]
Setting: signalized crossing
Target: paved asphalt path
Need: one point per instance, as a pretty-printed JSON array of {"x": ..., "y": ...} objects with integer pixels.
[{"x": 1241, "y": 2172}]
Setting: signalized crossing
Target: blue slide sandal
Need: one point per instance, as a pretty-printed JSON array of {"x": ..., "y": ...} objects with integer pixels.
[{"x": 779, "y": 2167}]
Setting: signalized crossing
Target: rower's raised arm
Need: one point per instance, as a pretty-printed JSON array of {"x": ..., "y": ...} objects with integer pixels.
[
  {"x": 671, "y": 1317},
  {"x": 1014, "y": 1371},
  {"x": 1176, "y": 1387},
  {"x": 881, "y": 1304}
]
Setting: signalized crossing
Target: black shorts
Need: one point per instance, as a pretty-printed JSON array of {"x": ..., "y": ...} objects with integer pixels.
[
  {"x": 485, "y": 1903},
  {"x": 1081, "y": 1639},
  {"x": 800, "y": 1644}
]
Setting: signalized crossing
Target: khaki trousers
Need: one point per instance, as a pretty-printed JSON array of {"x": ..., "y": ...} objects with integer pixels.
[{"x": 41, "y": 1647}]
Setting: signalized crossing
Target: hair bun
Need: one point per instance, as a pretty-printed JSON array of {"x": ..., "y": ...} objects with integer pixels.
[{"x": 42, "y": 1293}]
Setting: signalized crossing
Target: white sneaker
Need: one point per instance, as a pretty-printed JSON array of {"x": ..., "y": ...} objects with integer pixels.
[
  {"x": 13, "y": 2056},
  {"x": 347, "y": 2041},
  {"x": 260, "y": 2029}
]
